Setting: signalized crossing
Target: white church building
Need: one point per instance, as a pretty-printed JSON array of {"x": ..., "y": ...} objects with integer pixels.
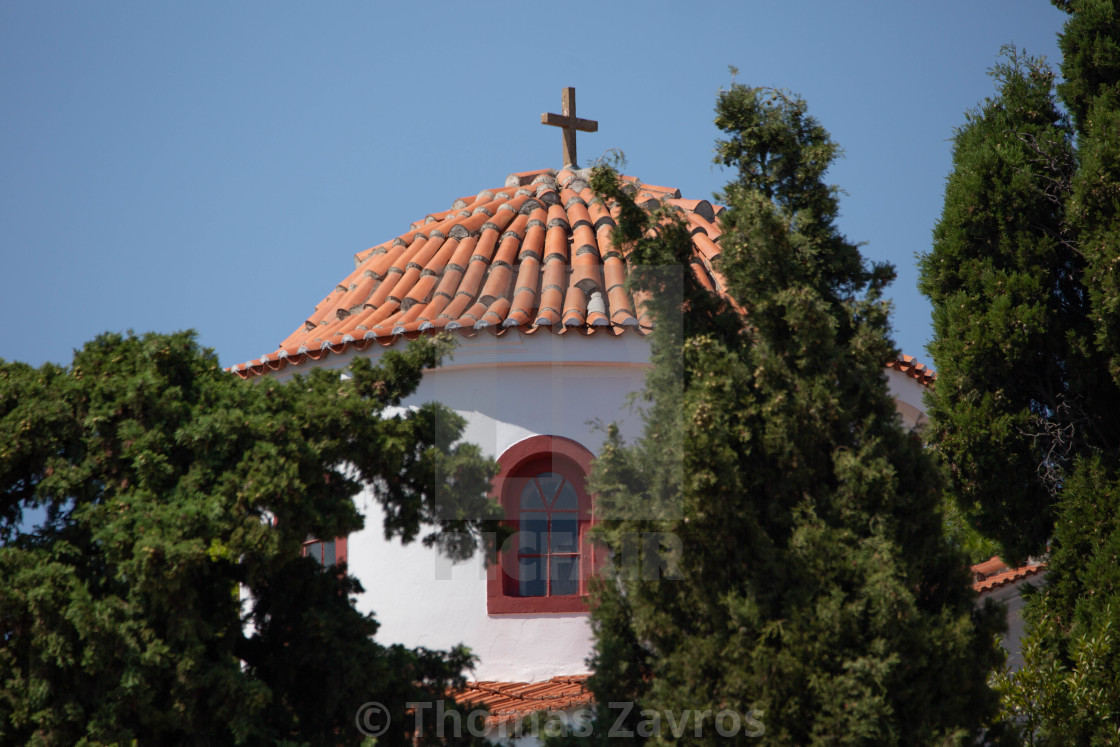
[{"x": 550, "y": 343}]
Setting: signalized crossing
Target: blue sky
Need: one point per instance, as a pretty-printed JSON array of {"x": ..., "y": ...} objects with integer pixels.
[{"x": 215, "y": 166}]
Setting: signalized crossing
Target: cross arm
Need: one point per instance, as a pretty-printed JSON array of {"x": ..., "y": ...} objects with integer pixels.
[{"x": 558, "y": 120}]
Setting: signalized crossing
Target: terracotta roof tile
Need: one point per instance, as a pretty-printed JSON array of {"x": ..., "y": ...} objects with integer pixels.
[
  {"x": 509, "y": 701},
  {"x": 907, "y": 365},
  {"x": 699, "y": 209},
  {"x": 525, "y": 178},
  {"x": 988, "y": 567},
  {"x": 575, "y": 306},
  {"x": 533, "y": 254},
  {"x": 708, "y": 248},
  {"x": 701, "y": 272}
]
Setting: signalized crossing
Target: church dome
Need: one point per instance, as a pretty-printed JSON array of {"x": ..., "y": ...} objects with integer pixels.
[{"x": 534, "y": 255}]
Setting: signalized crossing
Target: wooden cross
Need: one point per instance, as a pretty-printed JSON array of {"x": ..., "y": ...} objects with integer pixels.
[{"x": 570, "y": 122}]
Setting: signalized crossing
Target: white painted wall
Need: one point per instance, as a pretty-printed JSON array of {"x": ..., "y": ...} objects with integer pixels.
[
  {"x": 908, "y": 396},
  {"x": 510, "y": 388},
  {"x": 422, "y": 599}
]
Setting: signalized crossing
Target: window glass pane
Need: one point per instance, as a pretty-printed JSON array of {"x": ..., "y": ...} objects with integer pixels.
[
  {"x": 533, "y": 529},
  {"x": 531, "y": 577},
  {"x": 314, "y": 551},
  {"x": 550, "y": 483},
  {"x": 533, "y": 521},
  {"x": 531, "y": 497},
  {"x": 528, "y": 543},
  {"x": 328, "y": 553},
  {"x": 565, "y": 576},
  {"x": 565, "y": 533},
  {"x": 567, "y": 500}
]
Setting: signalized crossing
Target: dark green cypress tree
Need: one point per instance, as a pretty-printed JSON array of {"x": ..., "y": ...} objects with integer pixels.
[
  {"x": 1090, "y": 44},
  {"x": 168, "y": 485},
  {"x": 1026, "y": 412},
  {"x": 1018, "y": 382},
  {"x": 776, "y": 534}
]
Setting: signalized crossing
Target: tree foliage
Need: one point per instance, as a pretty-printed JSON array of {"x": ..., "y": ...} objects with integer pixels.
[
  {"x": 1090, "y": 44},
  {"x": 790, "y": 558},
  {"x": 163, "y": 598},
  {"x": 1055, "y": 702},
  {"x": 1025, "y": 285},
  {"x": 1017, "y": 379}
]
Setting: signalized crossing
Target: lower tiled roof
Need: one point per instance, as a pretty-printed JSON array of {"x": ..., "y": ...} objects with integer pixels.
[
  {"x": 509, "y": 701},
  {"x": 994, "y": 573}
]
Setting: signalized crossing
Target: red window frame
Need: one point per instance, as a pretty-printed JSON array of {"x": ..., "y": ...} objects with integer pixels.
[{"x": 527, "y": 459}]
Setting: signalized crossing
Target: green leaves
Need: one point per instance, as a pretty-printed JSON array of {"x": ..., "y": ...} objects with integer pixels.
[
  {"x": 178, "y": 497},
  {"x": 814, "y": 582},
  {"x": 1050, "y": 702},
  {"x": 1010, "y": 316},
  {"x": 1025, "y": 414}
]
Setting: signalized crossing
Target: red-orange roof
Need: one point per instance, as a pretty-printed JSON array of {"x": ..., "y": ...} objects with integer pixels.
[
  {"x": 509, "y": 701},
  {"x": 534, "y": 254}
]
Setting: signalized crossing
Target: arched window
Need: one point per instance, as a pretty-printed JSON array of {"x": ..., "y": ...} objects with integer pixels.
[{"x": 545, "y": 565}]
